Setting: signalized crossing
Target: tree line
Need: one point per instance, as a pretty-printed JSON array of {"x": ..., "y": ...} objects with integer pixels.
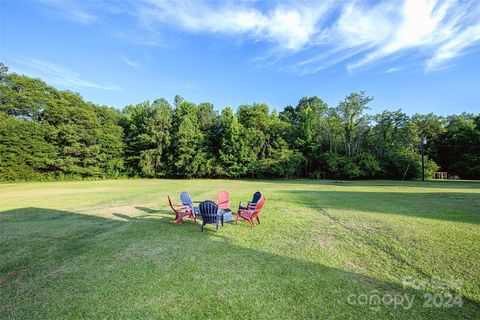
[{"x": 48, "y": 134}]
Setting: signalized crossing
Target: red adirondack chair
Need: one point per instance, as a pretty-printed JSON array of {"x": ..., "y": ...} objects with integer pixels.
[
  {"x": 251, "y": 212},
  {"x": 181, "y": 212}
]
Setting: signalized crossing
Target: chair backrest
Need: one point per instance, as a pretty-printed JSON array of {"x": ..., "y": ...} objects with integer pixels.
[
  {"x": 186, "y": 199},
  {"x": 170, "y": 204},
  {"x": 223, "y": 199},
  {"x": 256, "y": 197},
  {"x": 258, "y": 207},
  {"x": 208, "y": 210}
]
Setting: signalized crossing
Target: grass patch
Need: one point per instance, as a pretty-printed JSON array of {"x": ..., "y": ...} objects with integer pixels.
[{"x": 108, "y": 249}]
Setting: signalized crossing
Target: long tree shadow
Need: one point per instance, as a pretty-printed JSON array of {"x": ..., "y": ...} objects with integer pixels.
[
  {"x": 58, "y": 264},
  {"x": 450, "y": 206}
]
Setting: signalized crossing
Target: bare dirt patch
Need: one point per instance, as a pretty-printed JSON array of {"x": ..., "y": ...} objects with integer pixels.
[{"x": 323, "y": 241}]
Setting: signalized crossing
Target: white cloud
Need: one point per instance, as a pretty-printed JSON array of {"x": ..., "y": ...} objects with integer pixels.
[
  {"x": 362, "y": 33},
  {"x": 454, "y": 47},
  {"x": 421, "y": 23},
  {"x": 363, "y": 26},
  {"x": 394, "y": 69},
  {"x": 288, "y": 26},
  {"x": 307, "y": 37},
  {"x": 57, "y": 75},
  {"x": 130, "y": 62}
]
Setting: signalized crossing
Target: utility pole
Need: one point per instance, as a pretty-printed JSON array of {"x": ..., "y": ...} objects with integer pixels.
[{"x": 423, "y": 142}]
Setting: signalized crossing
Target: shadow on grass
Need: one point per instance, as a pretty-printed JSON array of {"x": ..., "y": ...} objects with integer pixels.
[
  {"x": 148, "y": 213},
  {"x": 148, "y": 210},
  {"x": 450, "y": 206},
  {"x": 441, "y": 184},
  {"x": 63, "y": 264}
]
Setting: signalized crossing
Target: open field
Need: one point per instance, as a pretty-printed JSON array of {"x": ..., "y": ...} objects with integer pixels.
[{"x": 108, "y": 249}]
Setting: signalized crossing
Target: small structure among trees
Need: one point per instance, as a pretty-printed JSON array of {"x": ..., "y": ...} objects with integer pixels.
[{"x": 440, "y": 175}]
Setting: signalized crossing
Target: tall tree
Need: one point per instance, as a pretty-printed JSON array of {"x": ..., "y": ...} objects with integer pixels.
[
  {"x": 305, "y": 121},
  {"x": 86, "y": 138},
  {"x": 354, "y": 121},
  {"x": 236, "y": 155},
  {"x": 147, "y": 128},
  {"x": 189, "y": 151},
  {"x": 26, "y": 151},
  {"x": 394, "y": 141}
]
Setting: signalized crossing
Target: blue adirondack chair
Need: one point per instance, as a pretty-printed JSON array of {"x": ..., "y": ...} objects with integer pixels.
[
  {"x": 187, "y": 201},
  {"x": 244, "y": 205},
  {"x": 210, "y": 214}
]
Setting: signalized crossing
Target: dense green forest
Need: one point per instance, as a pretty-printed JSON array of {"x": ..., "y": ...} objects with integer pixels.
[{"x": 47, "y": 133}]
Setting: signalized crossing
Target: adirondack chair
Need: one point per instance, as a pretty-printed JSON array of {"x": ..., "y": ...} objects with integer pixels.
[
  {"x": 210, "y": 214},
  {"x": 181, "y": 212},
  {"x": 245, "y": 204},
  {"x": 187, "y": 201},
  {"x": 251, "y": 212},
  {"x": 223, "y": 202}
]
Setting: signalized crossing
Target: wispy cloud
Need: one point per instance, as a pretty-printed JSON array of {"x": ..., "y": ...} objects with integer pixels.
[
  {"x": 394, "y": 69},
  {"x": 130, "y": 62},
  {"x": 288, "y": 25},
  {"x": 424, "y": 24},
  {"x": 57, "y": 75},
  {"x": 72, "y": 10},
  {"x": 329, "y": 33},
  {"x": 306, "y": 37},
  {"x": 454, "y": 47}
]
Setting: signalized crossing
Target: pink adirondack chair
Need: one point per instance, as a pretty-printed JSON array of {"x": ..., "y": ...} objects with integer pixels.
[
  {"x": 223, "y": 201},
  {"x": 251, "y": 212}
]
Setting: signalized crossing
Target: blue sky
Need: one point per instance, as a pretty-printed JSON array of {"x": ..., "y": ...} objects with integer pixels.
[{"x": 418, "y": 55}]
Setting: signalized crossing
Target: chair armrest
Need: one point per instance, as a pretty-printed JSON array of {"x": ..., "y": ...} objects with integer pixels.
[
  {"x": 246, "y": 210},
  {"x": 180, "y": 206}
]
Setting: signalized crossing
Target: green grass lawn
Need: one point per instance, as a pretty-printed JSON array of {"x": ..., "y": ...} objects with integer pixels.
[{"x": 325, "y": 249}]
